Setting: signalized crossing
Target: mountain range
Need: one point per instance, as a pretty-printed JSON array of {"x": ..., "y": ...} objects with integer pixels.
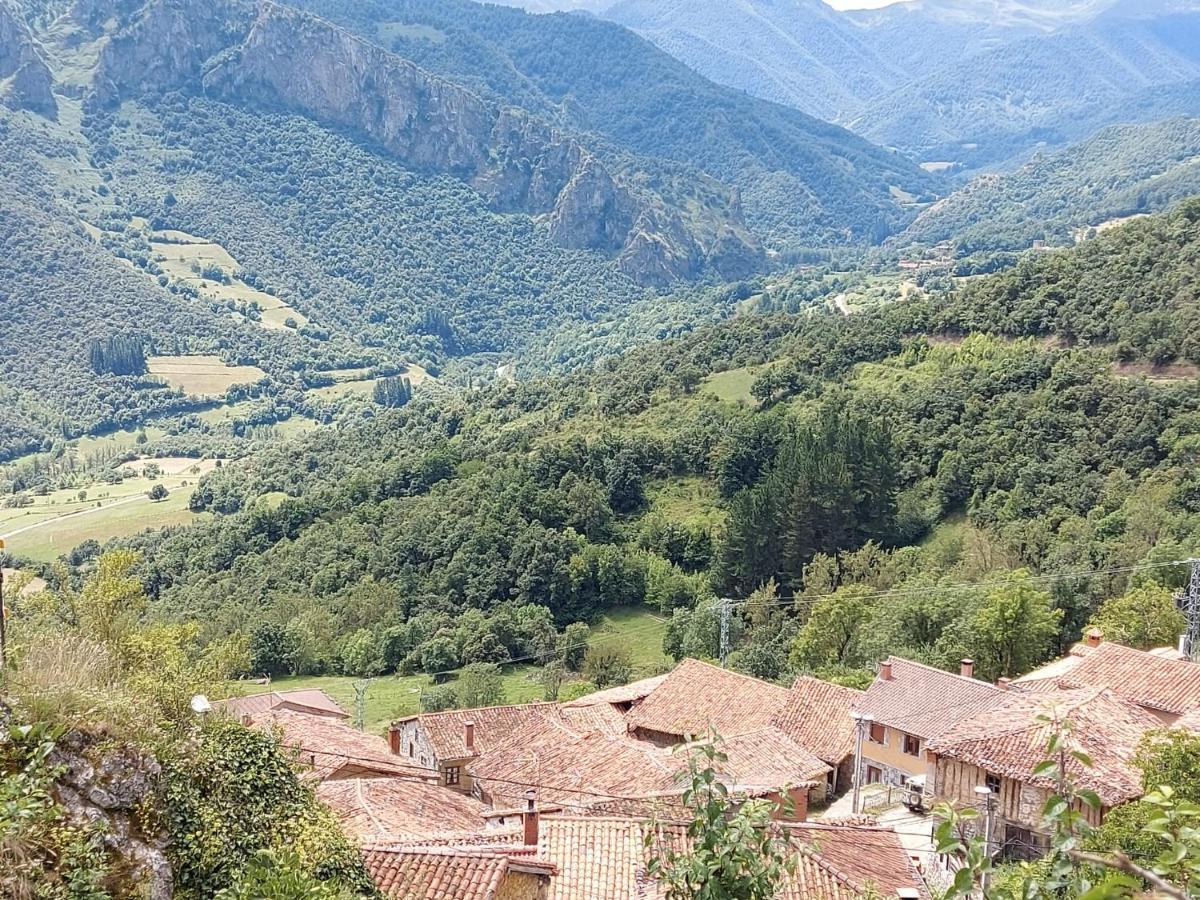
[
  {"x": 405, "y": 181},
  {"x": 964, "y": 82}
]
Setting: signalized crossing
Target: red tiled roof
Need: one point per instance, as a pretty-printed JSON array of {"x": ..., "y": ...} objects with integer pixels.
[
  {"x": 332, "y": 749},
  {"x": 398, "y": 809},
  {"x": 311, "y": 701},
  {"x": 697, "y": 696},
  {"x": 626, "y": 693},
  {"x": 857, "y": 858},
  {"x": 595, "y": 717},
  {"x": 768, "y": 759},
  {"x": 604, "y": 858},
  {"x": 494, "y": 725},
  {"x": 445, "y": 873},
  {"x": 817, "y": 717},
  {"x": 574, "y": 767},
  {"x": 1147, "y": 679},
  {"x": 924, "y": 701},
  {"x": 1010, "y": 739}
]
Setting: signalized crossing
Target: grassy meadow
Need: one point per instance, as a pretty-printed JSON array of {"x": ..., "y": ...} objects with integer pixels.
[{"x": 390, "y": 697}]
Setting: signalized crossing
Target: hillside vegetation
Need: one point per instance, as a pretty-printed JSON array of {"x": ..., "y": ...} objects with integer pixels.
[
  {"x": 209, "y": 203},
  {"x": 867, "y": 440},
  {"x": 1060, "y": 198}
]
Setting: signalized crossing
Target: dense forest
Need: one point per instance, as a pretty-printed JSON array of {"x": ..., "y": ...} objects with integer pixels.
[
  {"x": 996, "y": 434},
  {"x": 1118, "y": 172}
]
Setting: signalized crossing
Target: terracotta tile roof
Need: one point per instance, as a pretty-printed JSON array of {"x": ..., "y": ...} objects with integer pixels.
[
  {"x": 852, "y": 860},
  {"x": 925, "y": 701},
  {"x": 627, "y": 693},
  {"x": 445, "y": 873},
  {"x": 574, "y": 767},
  {"x": 601, "y": 858},
  {"x": 1010, "y": 739},
  {"x": 1189, "y": 721},
  {"x": 595, "y": 717},
  {"x": 399, "y": 809},
  {"x": 768, "y": 759},
  {"x": 604, "y": 858},
  {"x": 313, "y": 702},
  {"x": 332, "y": 749},
  {"x": 697, "y": 696},
  {"x": 1147, "y": 679},
  {"x": 494, "y": 725},
  {"x": 817, "y": 717}
]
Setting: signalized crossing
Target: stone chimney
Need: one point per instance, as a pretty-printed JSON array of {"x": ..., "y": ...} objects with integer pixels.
[
  {"x": 885, "y": 670},
  {"x": 247, "y": 720},
  {"x": 469, "y": 735},
  {"x": 530, "y": 818},
  {"x": 1003, "y": 683},
  {"x": 1093, "y": 637},
  {"x": 966, "y": 668},
  {"x": 394, "y": 740}
]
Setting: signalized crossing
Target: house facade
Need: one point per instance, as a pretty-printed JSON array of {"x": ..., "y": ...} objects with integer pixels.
[
  {"x": 1000, "y": 750},
  {"x": 908, "y": 706}
]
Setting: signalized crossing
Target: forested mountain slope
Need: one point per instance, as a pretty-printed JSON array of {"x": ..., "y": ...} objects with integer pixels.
[
  {"x": 410, "y": 214},
  {"x": 800, "y": 181},
  {"x": 956, "y": 437},
  {"x": 988, "y": 107},
  {"x": 973, "y": 84},
  {"x": 1121, "y": 171}
]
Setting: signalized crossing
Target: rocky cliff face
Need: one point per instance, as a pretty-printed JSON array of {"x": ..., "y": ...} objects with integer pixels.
[
  {"x": 274, "y": 56},
  {"x": 25, "y": 79}
]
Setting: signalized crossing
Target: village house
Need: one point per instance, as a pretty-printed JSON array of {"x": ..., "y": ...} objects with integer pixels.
[
  {"x": 464, "y": 873},
  {"x": 697, "y": 697},
  {"x": 309, "y": 701},
  {"x": 1159, "y": 681},
  {"x": 908, "y": 706},
  {"x": 605, "y": 857},
  {"x": 1000, "y": 747},
  {"x": 816, "y": 715},
  {"x": 448, "y": 741},
  {"x": 329, "y": 749},
  {"x": 399, "y": 809}
]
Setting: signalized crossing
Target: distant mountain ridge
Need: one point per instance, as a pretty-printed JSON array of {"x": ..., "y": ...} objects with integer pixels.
[
  {"x": 972, "y": 82},
  {"x": 1120, "y": 172}
]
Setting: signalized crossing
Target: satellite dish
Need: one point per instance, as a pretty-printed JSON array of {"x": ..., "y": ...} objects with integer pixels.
[{"x": 200, "y": 705}]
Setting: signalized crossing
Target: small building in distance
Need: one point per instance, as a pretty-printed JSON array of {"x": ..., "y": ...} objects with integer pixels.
[{"x": 310, "y": 701}]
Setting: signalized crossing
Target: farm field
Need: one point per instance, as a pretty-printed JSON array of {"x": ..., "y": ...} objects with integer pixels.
[
  {"x": 353, "y": 382},
  {"x": 732, "y": 386},
  {"x": 202, "y": 376},
  {"x": 59, "y": 521},
  {"x": 390, "y": 696},
  {"x": 194, "y": 261}
]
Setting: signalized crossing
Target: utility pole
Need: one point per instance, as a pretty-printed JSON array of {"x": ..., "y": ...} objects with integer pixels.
[
  {"x": 988, "y": 797},
  {"x": 1189, "y": 605},
  {"x": 360, "y": 703},
  {"x": 862, "y": 722},
  {"x": 725, "y": 606},
  {"x": 3, "y": 634}
]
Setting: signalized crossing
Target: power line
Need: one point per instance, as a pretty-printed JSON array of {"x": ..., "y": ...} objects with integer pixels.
[{"x": 968, "y": 585}]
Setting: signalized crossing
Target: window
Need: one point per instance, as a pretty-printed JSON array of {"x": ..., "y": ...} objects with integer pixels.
[
  {"x": 451, "y": 775},
  {"x": 411, "y": 750},
  {"x": 912, "y": 745},
  {"x": 876, "y": 733},
  {"x": 874, "y": 775},
  {"x": 993, "y": 783}
]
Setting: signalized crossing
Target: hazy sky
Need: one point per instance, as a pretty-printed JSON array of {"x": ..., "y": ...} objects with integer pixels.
[{"x": 859, "y": 4}]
